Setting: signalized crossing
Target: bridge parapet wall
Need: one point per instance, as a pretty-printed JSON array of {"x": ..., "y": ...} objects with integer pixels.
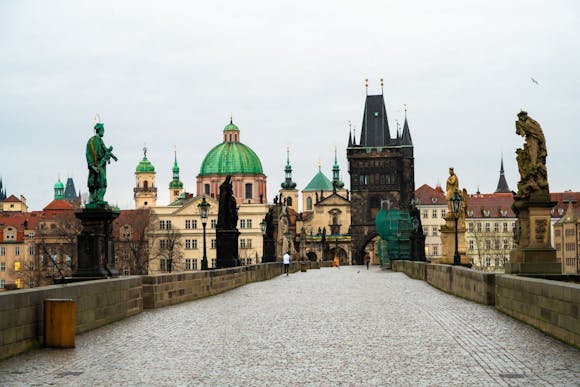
[
  {"x": 97, "y": 303},
  {"x": 551, "y": 306}
]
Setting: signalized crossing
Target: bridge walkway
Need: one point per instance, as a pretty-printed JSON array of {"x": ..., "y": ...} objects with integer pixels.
[{"x": 323, "y": 327}]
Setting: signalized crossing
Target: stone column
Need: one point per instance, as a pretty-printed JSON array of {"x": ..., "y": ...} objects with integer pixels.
[{"x": 447, "y": 234}]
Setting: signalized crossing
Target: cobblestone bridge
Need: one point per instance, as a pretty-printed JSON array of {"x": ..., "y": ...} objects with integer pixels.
[{"x": 324, "y": 327}]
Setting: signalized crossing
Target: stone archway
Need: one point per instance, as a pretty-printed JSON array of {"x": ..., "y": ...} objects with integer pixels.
[
  {"x": 359, "y": 247},
  {"x": 312, "y": 256}
]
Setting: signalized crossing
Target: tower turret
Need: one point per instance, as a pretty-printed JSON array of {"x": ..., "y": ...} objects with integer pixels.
[
  {"x": 58, "y": 190},
  {"x": 145, "y": 191},
  {"x": 175, "y": 185},
  {"x": 336, "y": 183},
  {"x": 502, "y": 185},
  {"x": 289, "y": 191}
]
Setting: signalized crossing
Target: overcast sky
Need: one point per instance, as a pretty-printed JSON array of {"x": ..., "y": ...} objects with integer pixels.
[{"x": 165, "y": 74}]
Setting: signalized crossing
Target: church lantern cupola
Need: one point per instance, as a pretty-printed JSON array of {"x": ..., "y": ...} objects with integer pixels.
[
  {"x": 145, "y": 191},
  {"x": 58, "y": 190},
  {"x": 175, "y": 186}
]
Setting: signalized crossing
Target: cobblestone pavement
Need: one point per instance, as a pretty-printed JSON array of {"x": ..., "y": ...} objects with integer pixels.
[{"x": 346, "y": 326}]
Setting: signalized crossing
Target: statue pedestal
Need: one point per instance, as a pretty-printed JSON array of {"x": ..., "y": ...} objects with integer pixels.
[
  {"x": 447, "y": 234},
  {"x": 227, "y": 248},
  {"x": 95, "y": 244},
  {"x": 534, "y": 254}
]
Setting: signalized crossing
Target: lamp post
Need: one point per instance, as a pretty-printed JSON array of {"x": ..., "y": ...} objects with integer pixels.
[
  {"x": 203, "y": 213},
  {"x": 263, "y": 227},
  {"x": 455, "y": 208}
]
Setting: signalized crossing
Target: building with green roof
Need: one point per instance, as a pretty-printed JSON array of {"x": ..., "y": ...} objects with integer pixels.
[
  {"x": 234, "y": 158},
  {"x": 145, "y": 191}
]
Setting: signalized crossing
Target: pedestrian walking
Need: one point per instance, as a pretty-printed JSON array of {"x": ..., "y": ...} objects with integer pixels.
[
  {"x": 336, "y": 262},
  {"x": 286, "y": 261},
  {"x": 367, "y": 260}
]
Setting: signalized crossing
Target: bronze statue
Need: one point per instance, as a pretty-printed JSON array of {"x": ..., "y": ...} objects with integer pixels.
[
  {"x": 531, "y": 158},
  {"x": 451, "y": 187},
  {"x": 98, "y": 156},
  {"x": 228, "y": 210}
]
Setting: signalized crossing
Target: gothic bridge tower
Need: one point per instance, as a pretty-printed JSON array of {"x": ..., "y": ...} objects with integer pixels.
[{"x": 381, "y": 172}]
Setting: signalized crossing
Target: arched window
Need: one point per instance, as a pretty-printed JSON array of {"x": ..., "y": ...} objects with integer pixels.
[
  {"x": 309, "y": 203},
  {"x": 145, "y": 184},
  {"x": 289, "y": 201},
  {"x": 248, "y": 191}
]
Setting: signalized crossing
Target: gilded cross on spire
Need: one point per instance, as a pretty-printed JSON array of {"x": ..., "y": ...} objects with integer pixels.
[
  {"x": 367, "y": 85},
  {"x": 145, "y": 152},
  {"x": 382, "y": 83}
]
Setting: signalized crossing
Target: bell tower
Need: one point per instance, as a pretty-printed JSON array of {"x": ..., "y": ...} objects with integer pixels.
[
  {"x": 175, "y": 185},
  {"x": 289, "y": 192},
  {"x": 145, "y": 191}
]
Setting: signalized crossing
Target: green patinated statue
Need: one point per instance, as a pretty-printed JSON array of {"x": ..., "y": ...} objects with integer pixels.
[{"x": 98, "y": 155}]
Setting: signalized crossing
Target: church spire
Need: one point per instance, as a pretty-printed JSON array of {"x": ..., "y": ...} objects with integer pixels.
[
  {"x": 349, "y": 134},
  {"x": 502, "y": 185},
  {"x": 288, "y": 183},
  {"x": 336, "y": 173},
  {"x": 175, "y": 185}
]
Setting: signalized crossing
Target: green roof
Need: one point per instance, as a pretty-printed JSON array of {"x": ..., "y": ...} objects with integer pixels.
[
  {"x": 59, "y": 185},
  {"x": 230, "y": 158},
  {"x": 319, "y": 182},
  {"x": 231, "y": 126},
  {"x": 145, "y": 166},
  {"x": 173, "y": 184}
]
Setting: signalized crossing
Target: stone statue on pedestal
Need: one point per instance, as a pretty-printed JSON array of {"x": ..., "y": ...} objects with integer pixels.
[
  {"x": 450, "y": 188},
  {"x": 227, "y": 233},
  {"x": 532, "y": 205}
]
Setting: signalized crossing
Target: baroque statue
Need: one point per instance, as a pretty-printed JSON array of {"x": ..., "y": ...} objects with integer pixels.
[
  {"x": 450, "y": 188},
  {"x": 531, "y": 159},
  {"x": 98, "y": 156}
]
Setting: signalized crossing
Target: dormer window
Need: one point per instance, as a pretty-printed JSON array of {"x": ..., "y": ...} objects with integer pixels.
[
  {"x": 560, "y": 211},
  {"x": 434, "y": 200},
  {"x": 470, "y": 213},
  {"x": 486, "y": 213},
  {"x": 503, "y": 213}
]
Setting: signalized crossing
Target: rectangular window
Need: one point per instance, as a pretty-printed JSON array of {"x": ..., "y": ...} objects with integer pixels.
[
  {"x": 31, "y": 250},
  {"x": 426, "y": 230},
  {"x": 162, "y": 225},
  {"x": 487, "y": 227},
  {"x": 242, "y": 223},
  {"x": 487, "y": 244},
  {"x": 213, "y": 223},
  {"x": 478, "y": 226},
  {"x": 168, "y": 224},
  {"x": 213, "y": 262},
  {"x": 17, "y": 266},
  {"x": 2, "y": 266},
  {"x": 506, "y": 244},
  {"x": 213, "y": 243},
  {"x": 16, "y": 250},
  {"x": 162, "y": 264},
  {"x": 163, "y": 244},
  {"x": 242, "y": 243},
  {"x": 249, "y": 243},
  {"x": 435, "y": 230},
  {"x": 194, "y": 243},
  {"x": 435, "y": 250},
  {"x": 188, "y": 244},
  {"x": 188, "y": 224},
  {"x": 434, "y": 214},
  {"x": 443, "y": 213},
  {"x": 194, "y": 264},
  {"x": 30, "y": 235},
  {"x": 496, "y": 227},
  {"x": 471, "y": 244},
  {"x": 206, "y": 189},
  {"x": 2, "y": 251},
  {"x": 187, "y": 264},
  {"x": 470, "y": 227},
  {"x": 425, "y": 214},
  {"x": 18, "y": 283},
  {"x": 496, "y": 242},
  {"x": 2, "y": 284},
  {"x": 505, "y": 227},
  {"x": 249, "y": 191},
  {"x": 194, "y": 224}
]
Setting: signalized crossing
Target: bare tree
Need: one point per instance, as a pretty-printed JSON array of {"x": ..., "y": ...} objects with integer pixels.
[
  {"x": 130, "y": 231},
  {"x": 487, "y": 248},
  {"x": 166, "y": 246}
]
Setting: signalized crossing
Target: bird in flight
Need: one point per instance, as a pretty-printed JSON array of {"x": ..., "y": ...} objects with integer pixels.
[{"x": 533, "y": 80}]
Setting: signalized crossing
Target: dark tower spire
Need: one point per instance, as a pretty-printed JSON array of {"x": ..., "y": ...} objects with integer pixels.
[
  {"x": 406, "y": 136},
  {"x": 375, "y": 126},
  {"x": 349, "y": 134},
  {"x": 336, "y": 183},
  {"x": 502, "y": 185}
]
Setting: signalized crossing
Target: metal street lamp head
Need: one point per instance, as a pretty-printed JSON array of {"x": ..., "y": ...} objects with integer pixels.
[
  {"x": 203, "y": 209},
  {"x": 263, "y": 226},
  {"x": 456, "y": 204}
]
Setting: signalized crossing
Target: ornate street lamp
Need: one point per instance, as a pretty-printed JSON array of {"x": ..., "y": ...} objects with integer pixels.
[
  {"x": 263, "y": 227},
  {"x": 456, "y": 208},
  {"x": 203, "y": 213}
]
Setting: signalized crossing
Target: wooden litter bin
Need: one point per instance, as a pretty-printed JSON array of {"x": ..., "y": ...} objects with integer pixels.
[
  {"x": 303, "y": 267},
  {"x": 59, "y": 323}
]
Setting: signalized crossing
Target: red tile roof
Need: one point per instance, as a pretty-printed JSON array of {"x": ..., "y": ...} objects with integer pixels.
[
  {"x": 428, "y": 195},
  {"x": 58, "y": 205},
  {"x": 12, "y": 199}
]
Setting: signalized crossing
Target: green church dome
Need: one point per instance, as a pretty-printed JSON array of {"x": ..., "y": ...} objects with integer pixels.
[
  {"x": 59, "y": 185},
  {"x": 145, "y": 166},
  {"x": 231, "y": 126},
  {"x": 231, "y": 158}
]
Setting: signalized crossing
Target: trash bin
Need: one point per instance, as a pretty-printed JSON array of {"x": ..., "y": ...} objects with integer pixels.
[
  {"x": 59, "y": 323},
  {"x": 303, "y": 267}
]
